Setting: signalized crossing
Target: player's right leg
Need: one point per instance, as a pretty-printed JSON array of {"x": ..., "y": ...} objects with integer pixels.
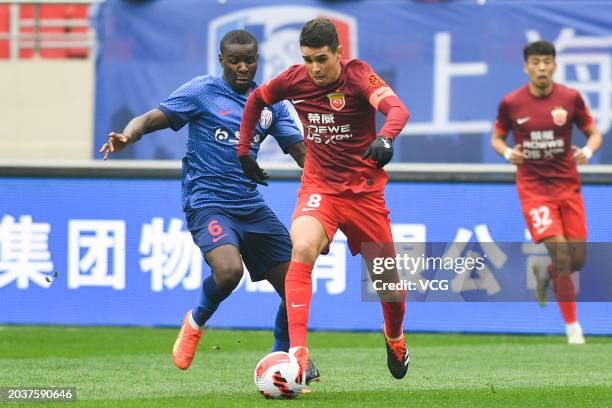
[
  {"x": 308, "y": 238},
  {"x": 314, "y": 224},
  {"x": 213, "y": 233},
  {"x": 277, "y": 276}
]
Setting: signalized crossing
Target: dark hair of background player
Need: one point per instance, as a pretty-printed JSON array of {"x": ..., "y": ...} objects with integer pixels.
[{"x": 538, "y": 48}]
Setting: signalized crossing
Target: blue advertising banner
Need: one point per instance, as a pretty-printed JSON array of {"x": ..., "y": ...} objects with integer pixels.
[
  {"x": 450, "y": 62},
  {"x": 117, "y": 252}
]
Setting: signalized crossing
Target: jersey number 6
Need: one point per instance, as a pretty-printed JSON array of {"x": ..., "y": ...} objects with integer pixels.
[{"x": 214, "y": 228}]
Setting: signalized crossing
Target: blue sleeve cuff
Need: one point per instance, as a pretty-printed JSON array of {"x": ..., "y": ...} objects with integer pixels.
[{"x": 177, "y": 121}]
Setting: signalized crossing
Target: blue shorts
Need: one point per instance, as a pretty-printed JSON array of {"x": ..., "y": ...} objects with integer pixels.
[{"x": 263, "y": 241}]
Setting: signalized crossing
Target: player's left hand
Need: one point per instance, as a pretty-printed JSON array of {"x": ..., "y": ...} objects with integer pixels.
[
  {"x": 115, "y": 143},
  {"x": 380, "y": 150},
  {"x": 252, "y": 171},
  {"x": 581, "y": 155}
]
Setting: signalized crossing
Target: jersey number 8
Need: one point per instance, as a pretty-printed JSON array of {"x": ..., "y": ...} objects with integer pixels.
[{"x": 314, "y": 201}]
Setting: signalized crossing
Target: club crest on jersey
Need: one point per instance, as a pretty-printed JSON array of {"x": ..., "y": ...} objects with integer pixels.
[
  {"x": 559, "y": 115},
  {"x": 265, "y": 120},
  {"x": 336, "y": 100}
]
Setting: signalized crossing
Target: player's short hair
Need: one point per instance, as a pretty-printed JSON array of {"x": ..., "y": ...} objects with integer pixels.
[
  {"x": 319, "y": 33},
  {"x": 538, "y": 48},
  {"x": 241, "y": 37}
]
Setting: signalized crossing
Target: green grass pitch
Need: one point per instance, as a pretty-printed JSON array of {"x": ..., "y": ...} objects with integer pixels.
[{"x": 132, "y": 367}]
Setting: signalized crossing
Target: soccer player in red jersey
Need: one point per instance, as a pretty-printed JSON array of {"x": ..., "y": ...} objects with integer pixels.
[
  {"x": 343, "y": 181},
  {"x": 541, "y": 115}
]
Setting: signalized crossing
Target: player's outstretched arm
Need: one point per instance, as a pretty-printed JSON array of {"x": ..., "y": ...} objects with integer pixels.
[
  {"x": 148, "y": 122},
  {"x": 594, "y": 142},
  {"x": 513, "y": 155}
]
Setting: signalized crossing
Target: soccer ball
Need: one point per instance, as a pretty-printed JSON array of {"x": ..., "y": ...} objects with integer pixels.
[{"x": 279, "y": 376}]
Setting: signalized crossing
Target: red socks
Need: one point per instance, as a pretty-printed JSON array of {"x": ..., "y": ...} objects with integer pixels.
[
  {"x": 394, "y": 317},
  {"x": 563, "y": 286},
  {"x": 298, "y": 292}
]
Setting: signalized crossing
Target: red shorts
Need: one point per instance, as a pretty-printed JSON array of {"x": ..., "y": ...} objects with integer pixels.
[
  {"x": 546, "y": 218},
  {"x": 361, "y": 217}
]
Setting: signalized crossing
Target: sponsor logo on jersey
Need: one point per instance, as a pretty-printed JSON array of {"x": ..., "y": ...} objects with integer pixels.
[
  {"x": 224, "y": 136},
  {"x": 336, "y": 100},
  {"x": 265, "y": 120},
  {"x": 559, "y": 115},
  {"x": 277, "y": 30},
  {"x": 542, "y": 144}
]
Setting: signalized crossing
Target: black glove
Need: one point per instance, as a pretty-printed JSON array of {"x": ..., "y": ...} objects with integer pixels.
[
  {"x": 252, "y": 171},
  {"x": 380, "y": 150}
]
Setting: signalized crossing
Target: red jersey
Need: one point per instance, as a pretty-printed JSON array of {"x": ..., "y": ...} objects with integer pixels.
[
  {"x": 339, "y": 125},
  {"x": 543, "y": 127}
]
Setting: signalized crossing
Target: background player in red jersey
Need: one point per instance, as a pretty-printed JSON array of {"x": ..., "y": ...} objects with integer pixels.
[
  {"x": 343, "y": 182},
  {"x": 541, "y": 115}
]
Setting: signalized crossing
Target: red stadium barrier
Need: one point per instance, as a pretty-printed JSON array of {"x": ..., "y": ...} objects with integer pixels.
[
  {"x": 4, "y": 29},
  {"x": 47, "y": 31}
]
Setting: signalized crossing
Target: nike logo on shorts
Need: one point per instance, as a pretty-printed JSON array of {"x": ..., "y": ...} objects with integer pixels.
[
  {"x": 296, "y": 101},
  {"x": 294, "y": 305},
  {"x": 216, "y": 239}
]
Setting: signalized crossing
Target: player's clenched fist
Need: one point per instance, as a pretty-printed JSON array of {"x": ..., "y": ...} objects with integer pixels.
[
  {"x": 380, "y": 150},
  {"x": 252, "y": 171},
  {"x": 514, "y": 155}
]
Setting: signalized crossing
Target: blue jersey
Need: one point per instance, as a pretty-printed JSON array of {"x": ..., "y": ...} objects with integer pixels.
[{"x": 212, "y": 176}]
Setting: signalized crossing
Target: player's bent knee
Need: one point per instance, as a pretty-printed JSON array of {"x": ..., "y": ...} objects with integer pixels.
[
  {"x": 228, "y": 276},
  {"x": 578, "y": 254},
  {"x": 562, "y": 263},
  {"x": 578, "y": 262},
  {"x": 304, "y": 251}
]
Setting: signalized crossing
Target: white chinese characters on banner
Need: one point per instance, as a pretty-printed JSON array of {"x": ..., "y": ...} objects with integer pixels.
[
  {"x": 492, "y": 252},
  {"x": 170, "y": 256},
  {"x": 24, "y": 252},
  {"x": 331, "y": 268},
  {"x": 91, "y": 243},
  {"x": 444, "y": 71}
]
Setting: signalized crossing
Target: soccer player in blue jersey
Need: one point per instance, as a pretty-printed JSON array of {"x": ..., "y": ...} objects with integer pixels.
[{"x": 226, "y": 215}]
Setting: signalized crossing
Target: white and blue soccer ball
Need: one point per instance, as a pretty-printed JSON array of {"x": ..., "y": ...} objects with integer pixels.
[{"x": 279, "y": 376}]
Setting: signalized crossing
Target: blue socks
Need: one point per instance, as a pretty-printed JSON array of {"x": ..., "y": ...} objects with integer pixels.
[
  {"x": 210, "y": 299},
  {"x": 281, "y": 331}
]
